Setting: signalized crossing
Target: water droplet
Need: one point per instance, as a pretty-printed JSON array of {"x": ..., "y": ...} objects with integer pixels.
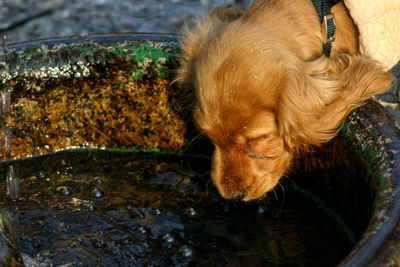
[
  {"x": 99, "y": 181},
  {"x": 191, "y": 212},
  {"x": 261, "y": 209},
  {"x": 157, "y": 212},
  {"x": 65, "y": 191},
  {"x": 62, "y": 227},
  {"x": 63, "y": 163},
  {"x": 97, "y": 193},
  {"x": 140, "y": 229},
  {"x": 87, "y": 205},
  {"x": 12, "y": 183},
  {"x": 41, "y": 175},
  {"x": 136, "y": 213},
  {"x": 98, "y": 243},
  {"x": 167, "y": 238},
  {"x": 5, "y": 101},
  {"x": 185, "y": 251}
]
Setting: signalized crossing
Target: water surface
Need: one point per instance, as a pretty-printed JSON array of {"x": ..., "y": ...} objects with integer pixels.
[{"x": 103, "y": 208}]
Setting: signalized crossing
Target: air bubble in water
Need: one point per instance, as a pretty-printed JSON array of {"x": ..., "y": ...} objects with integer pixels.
[
  {"x": 157, "y": 212},
  {"x": 41, "y": 175},
  {"x": 99, "y": 181},
  {"x": 185, "y": 251},
  {"x": 168, "y": 238},
  {"x": 140, "y": 229},
  {"x": 12, "y": 183},
  {"x": 65, "y": 191},
  {"x": 97, "y": 193},
  {"x": 87, "y": 205},
  {"x": 191, "y": 212}
]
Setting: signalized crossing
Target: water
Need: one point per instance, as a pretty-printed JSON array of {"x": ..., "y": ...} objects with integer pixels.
[
  {"x": 121, "y": 209},
  {"x": 5, "y": 101},
  {"x": 5, "y": 131},
  {"x": 12, "y": 184}
]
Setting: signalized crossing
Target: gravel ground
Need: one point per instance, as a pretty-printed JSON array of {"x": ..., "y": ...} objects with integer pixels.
[{"x": 22, "y": 20}]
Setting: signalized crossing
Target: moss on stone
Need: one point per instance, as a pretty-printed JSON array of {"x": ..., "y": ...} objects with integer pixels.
[{"x": 109, "y": 108}]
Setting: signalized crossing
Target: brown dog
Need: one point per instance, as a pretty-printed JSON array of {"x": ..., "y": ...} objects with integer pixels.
[{"x": 263, "y": 91}]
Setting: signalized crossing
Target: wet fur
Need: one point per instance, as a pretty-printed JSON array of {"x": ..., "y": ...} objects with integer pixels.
[{"x": 261, "y": 84}]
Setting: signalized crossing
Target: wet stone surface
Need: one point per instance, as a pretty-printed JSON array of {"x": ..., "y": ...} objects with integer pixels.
[{"x": 151, "y": 210}]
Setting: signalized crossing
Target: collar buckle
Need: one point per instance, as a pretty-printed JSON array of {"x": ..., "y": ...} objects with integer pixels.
[{"x": 330, "y": 27}]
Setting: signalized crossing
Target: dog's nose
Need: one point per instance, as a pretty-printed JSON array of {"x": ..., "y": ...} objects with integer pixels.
[{"x": 239, "y": 195}]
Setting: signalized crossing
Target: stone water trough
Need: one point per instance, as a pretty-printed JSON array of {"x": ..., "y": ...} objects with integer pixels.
[{"x": 106, "y": 98}]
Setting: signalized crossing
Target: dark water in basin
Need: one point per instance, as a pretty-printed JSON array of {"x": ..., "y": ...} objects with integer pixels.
[{"x": 126, "y": 209}]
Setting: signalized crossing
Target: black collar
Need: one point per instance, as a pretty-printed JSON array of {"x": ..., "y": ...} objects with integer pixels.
[{"x": 323, "y": 8}]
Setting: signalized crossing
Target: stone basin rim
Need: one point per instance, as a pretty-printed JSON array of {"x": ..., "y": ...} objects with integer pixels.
[
  {"x": 379, "y": 129},
  {"x": 100, "y": 38}
]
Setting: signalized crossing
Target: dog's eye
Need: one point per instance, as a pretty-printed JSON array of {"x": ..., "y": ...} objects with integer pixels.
[
  {"x": 257, "y": 156},
  {"x": 262, "y": 148}
]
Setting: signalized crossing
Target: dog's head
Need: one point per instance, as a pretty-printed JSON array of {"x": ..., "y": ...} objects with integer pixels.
[
  {"x": 250, "y": 155},
  {"x": 236, "y": 107},
  {"x": 260, "y": 103}
]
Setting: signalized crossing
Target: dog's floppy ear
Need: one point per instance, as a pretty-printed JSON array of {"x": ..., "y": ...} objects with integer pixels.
[{"x": 318, "y": 96}]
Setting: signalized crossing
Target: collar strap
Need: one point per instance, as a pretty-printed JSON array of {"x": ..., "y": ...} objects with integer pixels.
[{"x": 323, "y": 8}]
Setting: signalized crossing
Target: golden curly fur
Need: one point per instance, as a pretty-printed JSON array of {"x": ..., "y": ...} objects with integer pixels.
[{"x": 263, "y": 92}]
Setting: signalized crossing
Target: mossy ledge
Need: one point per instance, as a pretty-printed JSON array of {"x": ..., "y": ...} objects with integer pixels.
[{"x": 91, "y": 94}]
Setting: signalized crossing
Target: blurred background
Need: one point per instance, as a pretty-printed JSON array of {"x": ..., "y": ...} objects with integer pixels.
[{"x": 22, "y": 20}]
